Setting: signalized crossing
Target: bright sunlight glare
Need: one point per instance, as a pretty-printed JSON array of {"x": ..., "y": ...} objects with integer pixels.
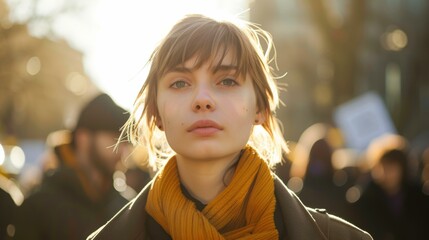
[{"x": 126, "y": 32}]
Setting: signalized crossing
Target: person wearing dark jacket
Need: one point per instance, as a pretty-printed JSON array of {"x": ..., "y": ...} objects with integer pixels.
[
  {"x": 206, "y": 115},
  {"x": 392, "y": 205},
  {"x": 7, "y": 210},
  {"x": 78, "y": 195}
]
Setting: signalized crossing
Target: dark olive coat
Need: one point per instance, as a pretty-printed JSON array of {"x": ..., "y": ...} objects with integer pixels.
[{"x": 300, "y": 222}]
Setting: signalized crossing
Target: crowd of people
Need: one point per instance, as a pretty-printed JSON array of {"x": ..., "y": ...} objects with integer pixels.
[
  {"x": 77, "y": 193},
  {"x": 381, "y": 190},
  {"x": 216, "y": 181}
]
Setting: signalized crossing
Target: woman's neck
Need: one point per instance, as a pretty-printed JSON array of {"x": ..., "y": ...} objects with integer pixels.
[{"x": 204, "y": 180}]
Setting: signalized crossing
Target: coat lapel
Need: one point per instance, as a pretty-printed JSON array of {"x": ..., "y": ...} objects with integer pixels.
[
  {"x": 298, "y": 221},
  {"x": 129, "y": 223}
]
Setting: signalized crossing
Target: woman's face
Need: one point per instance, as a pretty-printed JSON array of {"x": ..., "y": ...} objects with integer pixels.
[{"x": 206, "y": 112}]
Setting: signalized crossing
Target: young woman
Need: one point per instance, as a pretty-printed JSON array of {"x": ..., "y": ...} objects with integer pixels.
[{"x": 206, "y": 115}]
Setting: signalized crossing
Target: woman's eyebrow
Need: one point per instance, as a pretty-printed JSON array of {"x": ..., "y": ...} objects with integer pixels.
[
  {"x": 180, "y": 69},
  {"x": 215, "y": 69},
  {"x": 224, "y": 68}
]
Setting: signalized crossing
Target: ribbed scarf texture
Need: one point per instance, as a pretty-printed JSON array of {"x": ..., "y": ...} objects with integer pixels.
[{"x": 243, "y": 210}]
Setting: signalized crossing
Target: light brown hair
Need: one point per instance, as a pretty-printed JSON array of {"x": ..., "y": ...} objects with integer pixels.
[{"x": 204, "y": 37}]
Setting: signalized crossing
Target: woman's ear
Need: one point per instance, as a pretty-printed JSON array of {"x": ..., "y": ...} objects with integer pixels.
[
  {"x": 259, "y": 118},
  {"x": 159, "y": 124}
]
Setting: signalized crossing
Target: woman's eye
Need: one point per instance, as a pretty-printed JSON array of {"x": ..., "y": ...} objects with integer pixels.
[
  {"x": 179, "y": 84},
  {"x": 228, "y": 82}
]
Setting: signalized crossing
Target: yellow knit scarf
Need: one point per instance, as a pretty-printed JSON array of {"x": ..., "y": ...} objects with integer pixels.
[{"x": 243, "y": 210}]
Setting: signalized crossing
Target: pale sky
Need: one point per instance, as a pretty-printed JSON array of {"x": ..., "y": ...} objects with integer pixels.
[{"x": 124, "y": 32}]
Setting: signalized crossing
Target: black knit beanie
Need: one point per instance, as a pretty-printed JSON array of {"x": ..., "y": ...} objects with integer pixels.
[{"x": 102, "y": 114}]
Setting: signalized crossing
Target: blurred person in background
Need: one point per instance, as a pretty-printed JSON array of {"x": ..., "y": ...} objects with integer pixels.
[
  {"x": 312, "y": 165},
  {"x": 392, "y": 206},
  {"x": 419, "y": 155},
  {"x": 7, "y": 211},
  {"x": 11, "y": 195},
  {"x": 8, "y": 206},
  {"x": 424, "y": 177},
  {"x": 77, "y": 194},
  {"x": 138, "y": 172}
]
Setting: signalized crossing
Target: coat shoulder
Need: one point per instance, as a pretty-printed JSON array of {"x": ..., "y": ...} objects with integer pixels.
[
  {"x": 302, "y": 222},
  {"x": 130, "y": 217},
  {"x": 337, "y": 228}
]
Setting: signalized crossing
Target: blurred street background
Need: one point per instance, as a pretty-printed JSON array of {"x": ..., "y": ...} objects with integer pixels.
[{"x": 358, "y": 66}]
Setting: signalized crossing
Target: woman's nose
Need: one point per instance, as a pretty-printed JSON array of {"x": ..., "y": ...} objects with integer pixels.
[{"x": 203, "y": 100}]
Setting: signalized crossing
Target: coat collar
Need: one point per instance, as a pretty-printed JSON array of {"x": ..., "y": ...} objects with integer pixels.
[
  {"x": 129, "y": 222},
  {"x": 298, "y": 221}
]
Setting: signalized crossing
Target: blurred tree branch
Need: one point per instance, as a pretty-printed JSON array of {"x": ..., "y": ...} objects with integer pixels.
[
  {"x": 342, "y": 38},
  {"x": 34, "y": 98}
]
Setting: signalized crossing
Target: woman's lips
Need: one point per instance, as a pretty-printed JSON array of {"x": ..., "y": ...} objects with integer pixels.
[{"x": 204, "y": 128}]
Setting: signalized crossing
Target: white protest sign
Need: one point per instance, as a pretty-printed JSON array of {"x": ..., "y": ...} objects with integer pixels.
[{"x": 362, "y": 120}]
